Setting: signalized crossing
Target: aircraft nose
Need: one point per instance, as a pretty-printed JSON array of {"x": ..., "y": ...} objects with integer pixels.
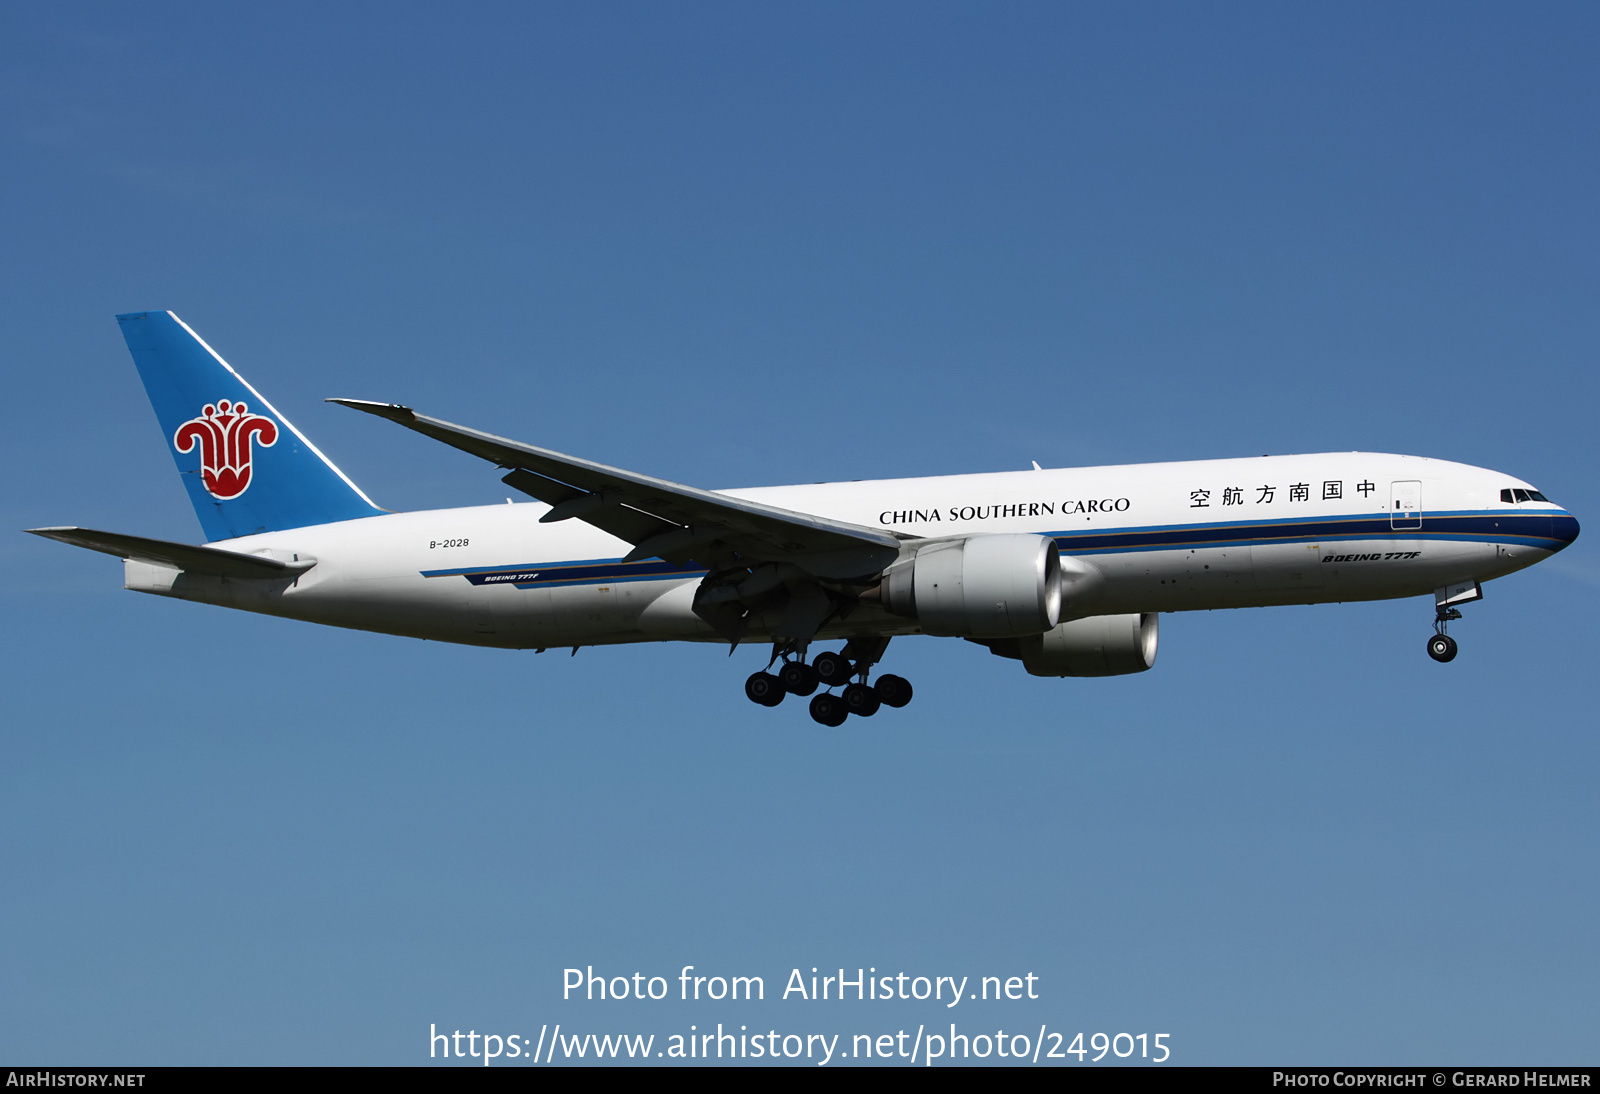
[{"x": 1563, "y": 529}]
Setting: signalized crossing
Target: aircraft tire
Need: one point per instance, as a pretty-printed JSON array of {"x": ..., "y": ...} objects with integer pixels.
[
  {"x": 861, "y": 700},
  {"x": 894, "y": 691},
  {"x": 798, "y": 678},
  {"x": 829, "y": 710},
  {"x": 764, "y": 688},
  {"x": 1441, "y": 647},
  {"x": 833, "y": 668}
]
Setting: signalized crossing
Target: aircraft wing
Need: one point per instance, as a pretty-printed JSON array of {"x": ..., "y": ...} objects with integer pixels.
[
  {"x": 664, "y": 519},
  {"x": 183, "y": 556}
]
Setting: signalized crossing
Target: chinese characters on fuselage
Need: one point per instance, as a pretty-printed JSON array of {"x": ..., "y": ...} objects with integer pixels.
[{"x": 1267, "y": 493}]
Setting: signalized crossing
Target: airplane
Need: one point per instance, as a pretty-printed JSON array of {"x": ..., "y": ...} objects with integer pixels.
[{"x": 1065, "y": 571}]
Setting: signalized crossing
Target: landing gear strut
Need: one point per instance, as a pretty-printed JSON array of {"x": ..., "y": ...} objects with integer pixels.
[{"x": 1441, "y": 647}]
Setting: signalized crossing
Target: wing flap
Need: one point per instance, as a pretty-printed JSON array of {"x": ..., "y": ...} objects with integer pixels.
[{"x": 606, "y": 513}]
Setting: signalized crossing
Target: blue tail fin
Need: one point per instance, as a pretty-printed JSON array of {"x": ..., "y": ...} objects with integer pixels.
[{"x": 247, "y": 469}]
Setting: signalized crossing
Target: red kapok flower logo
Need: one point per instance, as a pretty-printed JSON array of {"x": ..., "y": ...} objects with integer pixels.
[{"x": 223, "y": 433}]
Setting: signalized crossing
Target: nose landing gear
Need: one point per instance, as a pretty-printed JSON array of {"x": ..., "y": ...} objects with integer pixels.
[{"x": 1441, "y": 647}]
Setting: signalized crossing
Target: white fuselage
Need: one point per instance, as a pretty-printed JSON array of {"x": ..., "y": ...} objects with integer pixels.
[{"x": 1166, "y": 537}]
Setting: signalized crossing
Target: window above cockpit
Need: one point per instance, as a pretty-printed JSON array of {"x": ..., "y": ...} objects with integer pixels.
[{"x": 1517, "y": 494}]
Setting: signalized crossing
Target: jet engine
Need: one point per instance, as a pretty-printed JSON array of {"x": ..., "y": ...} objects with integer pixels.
[
  {"x": 1098, "y": 645},
  {"x": 994, "y": 586}
]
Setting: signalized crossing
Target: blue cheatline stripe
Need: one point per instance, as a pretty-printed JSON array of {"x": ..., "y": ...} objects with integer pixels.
[
  {"x": 590, "y": 571},
  {"x": 1548, "y": 530}
]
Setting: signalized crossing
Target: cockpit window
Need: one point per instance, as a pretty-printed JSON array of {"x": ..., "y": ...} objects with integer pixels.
[{"x": 1512, "y": 496}]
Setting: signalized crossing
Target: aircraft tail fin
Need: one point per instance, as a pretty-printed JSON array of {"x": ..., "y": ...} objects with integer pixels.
[{"x": 246, "y": 467}]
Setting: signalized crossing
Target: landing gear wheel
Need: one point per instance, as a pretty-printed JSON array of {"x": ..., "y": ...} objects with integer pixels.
[
  {"x": 764, "y": 688},
  {"x": 829, "y": 710},
  {"x": 798, "y": 678},
  {"x": 860, "y": 699},
  {"x": 894, "y": 691},
  {"x": 1441, "y": 647},
  {"x": 833, "y": 669}
]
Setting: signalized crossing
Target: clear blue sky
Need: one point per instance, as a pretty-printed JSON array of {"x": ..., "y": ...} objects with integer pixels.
[{"x": 737, "y": 245}]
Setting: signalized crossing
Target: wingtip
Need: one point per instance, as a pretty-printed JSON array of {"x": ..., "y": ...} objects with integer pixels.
[{"x": 393, "y": 411}]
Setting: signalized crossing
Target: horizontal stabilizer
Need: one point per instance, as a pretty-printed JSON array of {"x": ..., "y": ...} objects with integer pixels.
[{"x": 183, "y": 556}]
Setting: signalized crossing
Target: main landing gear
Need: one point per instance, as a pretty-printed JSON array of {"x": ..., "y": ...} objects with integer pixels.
[
  {"x": 833, "y": 670},
  {"x": 861, "y": 699}
]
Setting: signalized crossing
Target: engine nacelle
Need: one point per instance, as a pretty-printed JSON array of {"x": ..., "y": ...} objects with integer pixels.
[
  {"x": 998, "y": 586},
  {"x": 1098, "y": 645}
]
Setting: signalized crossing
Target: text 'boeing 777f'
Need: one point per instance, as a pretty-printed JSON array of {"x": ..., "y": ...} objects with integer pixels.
[{"x": 1065, "y": 571}]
